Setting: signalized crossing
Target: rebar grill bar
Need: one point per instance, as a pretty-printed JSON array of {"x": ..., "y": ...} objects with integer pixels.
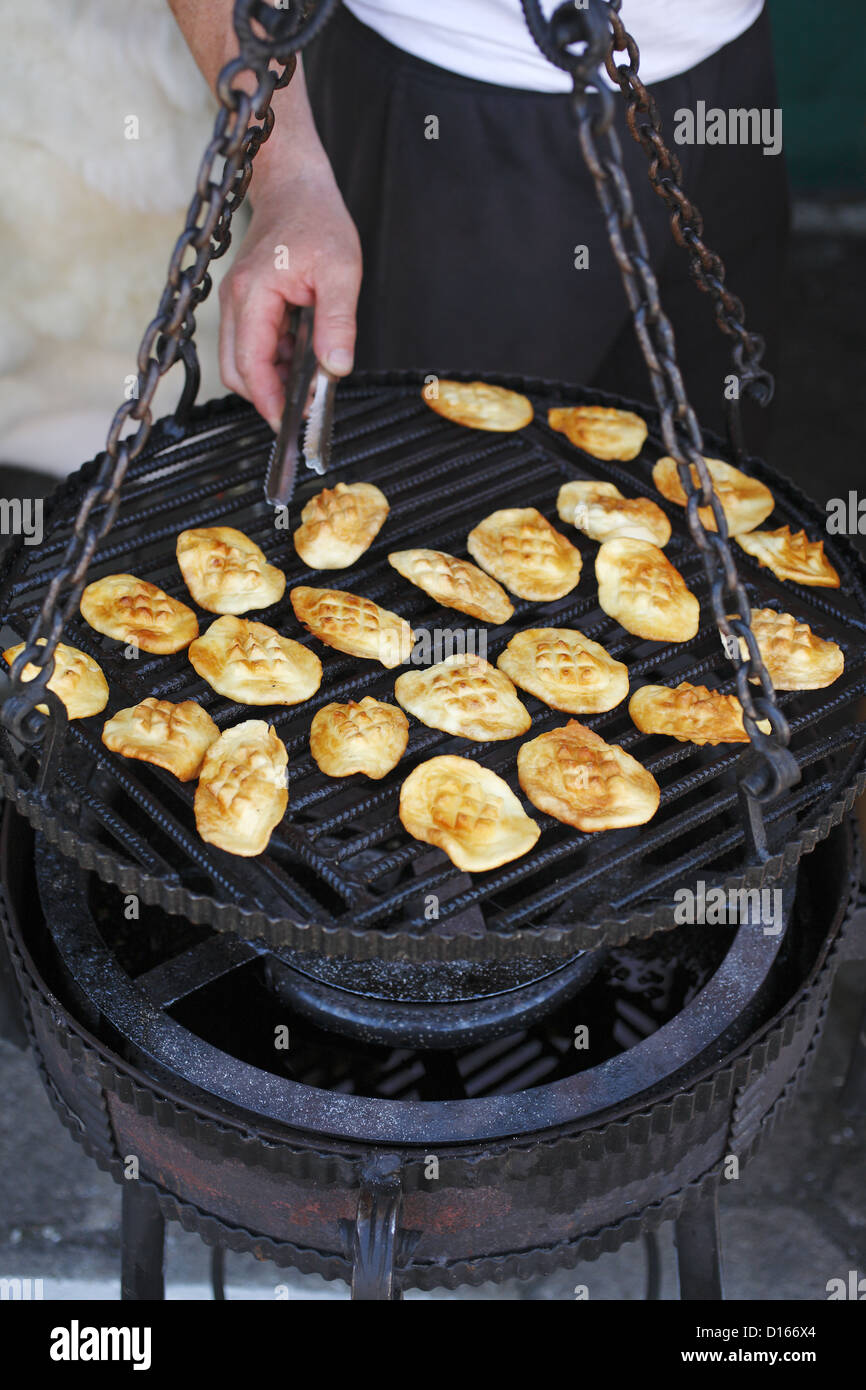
[{"x": 341, "y": 856}]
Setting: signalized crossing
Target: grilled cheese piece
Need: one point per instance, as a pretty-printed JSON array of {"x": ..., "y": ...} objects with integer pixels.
[
  {"x": 339, "y": 524},
  {"x": 466, "y": 696},
  {"x": 794, "y": 657},
  {"x": 690, "y": 714},
  {"x": 600, "y": 430},
  {"x": 575, "y": 776},
  {"x": 368, "y": 737},
  {"x": 564, "y": 669},
  {"x": 477, "y": 405},
  {"x": 745, "y": 501},
  {"x": 467, "y": 811},
  {"x": 454, "y": 583},
  {"x": 353, "y": 624},
  {"x": 77, "y": 680},
  {"x": 521, "y": 549},
  {"x": 644, "y": 592},
  {"x": 174, "y": 737},
  {"x": 132, "y": 610},
  {"x": 242, "y": 793},
  {"x": 601, "y": 512},
  {"x": 791, "y": 556},
  {"x": 251, "y": 663},
  {"x": 226, "y": 572}
]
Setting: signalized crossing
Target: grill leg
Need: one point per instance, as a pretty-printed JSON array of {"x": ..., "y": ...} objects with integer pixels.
[
  {"x": 143, "y": 1242},
  {"x": 653, "y": 1267},
  {"x": 218, "y": 1273},
  {"x": 374, "y": 1245},
  {"x": 699, "y": 1256},
  {"x": 853, "y": 1095}
]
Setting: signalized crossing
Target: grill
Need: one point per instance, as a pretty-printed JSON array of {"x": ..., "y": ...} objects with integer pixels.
[
  {"x": 452, "y": 1039},
  {"x": 341, "y": 877},
  {"x": 319, "y": 1158}
]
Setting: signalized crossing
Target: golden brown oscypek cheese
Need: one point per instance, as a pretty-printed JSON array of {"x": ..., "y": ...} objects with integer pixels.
[
  {"x": 478, "y": 405},
  {"x": 601, "y": 512},
  {"x": 575, "y": 776},
  {"x": 690, "y": 714},
  {"x": 242, "y": 792},
  {"x": 644, "y": 592},
  {"x": 791, "y": 556},
  {"x": 564, "y": 669},
  {"x": 600, "y": 430},
  {"x": 745, "y": 501},
  {"x": 454, "y": 583},
  {"x": 520, "y": 548},
  {"x": 226, "y": 572},
  {"x": 172, "y": 736},
  {"x": 339, "y": 524},
  {"x": 795, "y": 658},
  {"x": 467, "y": 811},
  {"x": 466, "y": 696},
  {"x": 77, "y": 680},
  {"x": 353, "y": 624},
  {"x": 367, "y": 736},
  {"x": 134, "y": 611},
  {"x": 253, "y": 664}
]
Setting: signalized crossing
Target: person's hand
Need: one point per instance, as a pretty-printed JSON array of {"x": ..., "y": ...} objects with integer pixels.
[{"x": 301, "y": 248}]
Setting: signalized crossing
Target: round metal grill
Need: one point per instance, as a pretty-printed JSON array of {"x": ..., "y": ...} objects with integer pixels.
[{"x": 341, "y": 874}]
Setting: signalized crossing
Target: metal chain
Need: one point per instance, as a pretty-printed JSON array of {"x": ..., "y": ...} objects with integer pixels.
[
  {"x": 687, "y": 224},
  {"x": 680, "y": 430},
  {"x": 206, "y": 235}
]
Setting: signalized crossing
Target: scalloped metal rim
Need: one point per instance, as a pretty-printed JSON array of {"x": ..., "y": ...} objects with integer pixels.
[
  {"x": 150, "y": 1097},
  {"x": 629, "y": 1134},
  {"x": 367, "y": 944},
  {"x": 612, "y": 1137}
]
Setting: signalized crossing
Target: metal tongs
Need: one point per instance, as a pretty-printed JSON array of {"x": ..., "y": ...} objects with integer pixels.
[{"x": 283, "y": 463}]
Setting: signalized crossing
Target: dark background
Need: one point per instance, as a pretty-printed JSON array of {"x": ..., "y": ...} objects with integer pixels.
[
  {"x": 821, "y": 393},
  {"x": 820, "y": 51}
]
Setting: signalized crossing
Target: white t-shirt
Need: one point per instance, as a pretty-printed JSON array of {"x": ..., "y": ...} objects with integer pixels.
[{"x": 489, "y": 40}]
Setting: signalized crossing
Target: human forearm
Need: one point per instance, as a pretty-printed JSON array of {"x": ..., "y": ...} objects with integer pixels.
[
  {"x": 294, "y": 147},
  {"x": 301, "y": 246}
]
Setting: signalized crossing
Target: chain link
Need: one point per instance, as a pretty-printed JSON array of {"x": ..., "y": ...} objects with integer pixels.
[
  {"x": 599, "y": 28},
  {"x": 206, "y": 235},
  {"x": 687, "y": 224}
]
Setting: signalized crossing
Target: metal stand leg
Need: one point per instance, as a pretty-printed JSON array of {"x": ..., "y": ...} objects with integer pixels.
[
  {"x": 374, "y": 1246},
  {"x": 699, "y": 1258},
  {"x": 653, "y": 1267},
  {"x": 143, "y": 1245},
  {"x": 853, "y": 1095},
  {"x": 218, "y": 1273}
]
